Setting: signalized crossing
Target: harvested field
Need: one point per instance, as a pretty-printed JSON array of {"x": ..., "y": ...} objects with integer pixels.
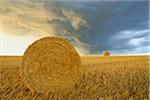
[{"x": 103, "y": 78}]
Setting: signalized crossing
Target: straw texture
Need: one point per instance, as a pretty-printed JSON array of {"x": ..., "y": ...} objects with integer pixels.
[{"x": 50, "y": 64}]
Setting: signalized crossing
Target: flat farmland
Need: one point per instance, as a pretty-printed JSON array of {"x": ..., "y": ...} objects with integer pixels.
[{"x": 102, "y": 78}]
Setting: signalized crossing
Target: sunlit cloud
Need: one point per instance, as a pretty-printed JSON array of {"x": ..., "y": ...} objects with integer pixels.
[
  {"x": 91, "y": 27},
  {"x": 15, "y": 45},
  {"x": 76, "y": 20}
]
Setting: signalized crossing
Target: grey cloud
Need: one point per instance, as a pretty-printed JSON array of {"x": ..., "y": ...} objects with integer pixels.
[
  {"x": 42, "y": 18},
  {"x": 129, "y": 51},
  {"x": 132, "y": 33},
  {"x": 91, "y": 27}
]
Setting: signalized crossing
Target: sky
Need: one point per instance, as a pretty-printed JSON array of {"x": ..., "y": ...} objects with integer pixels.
[{"x": 118, "y": 26}]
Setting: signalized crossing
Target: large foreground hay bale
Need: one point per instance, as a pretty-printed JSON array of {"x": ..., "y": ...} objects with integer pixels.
[{"x": 50, "y": 64}]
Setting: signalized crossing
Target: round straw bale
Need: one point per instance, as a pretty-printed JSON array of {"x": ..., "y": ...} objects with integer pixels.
[
  {"x": 106, "y": 53},
  {"x": 50, "y": 64}
]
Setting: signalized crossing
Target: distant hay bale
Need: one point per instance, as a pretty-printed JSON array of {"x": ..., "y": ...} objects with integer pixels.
[
  {"x": 106, "y": 53},
  {"x": 50, "y": 64}
]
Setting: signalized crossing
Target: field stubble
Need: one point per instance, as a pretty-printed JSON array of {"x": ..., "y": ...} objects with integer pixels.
[{"x": 103, "y": 78}]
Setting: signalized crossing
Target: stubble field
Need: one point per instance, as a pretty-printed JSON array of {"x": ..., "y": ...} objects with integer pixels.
[{"x": 103, "y": 78}]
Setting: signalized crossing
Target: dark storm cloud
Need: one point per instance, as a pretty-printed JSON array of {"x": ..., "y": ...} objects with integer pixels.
[
  {"x": 110, "y": 20},
  {"x": 92, "y": 27}
]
